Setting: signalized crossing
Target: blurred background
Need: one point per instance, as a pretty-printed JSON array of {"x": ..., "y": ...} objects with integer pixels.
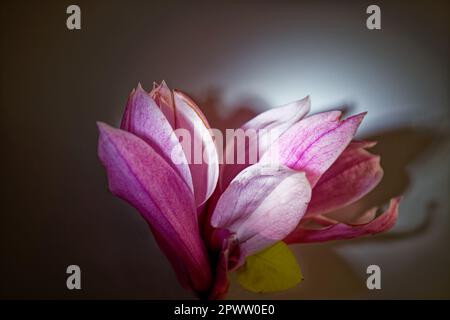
[{"x": 236, "y": 59}]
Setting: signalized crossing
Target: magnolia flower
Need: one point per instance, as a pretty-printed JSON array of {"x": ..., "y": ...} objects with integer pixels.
[{"x": 210, "y": 219}]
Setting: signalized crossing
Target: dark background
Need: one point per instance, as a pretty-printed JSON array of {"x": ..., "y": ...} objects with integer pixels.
[{"x": 235, "y": 58}]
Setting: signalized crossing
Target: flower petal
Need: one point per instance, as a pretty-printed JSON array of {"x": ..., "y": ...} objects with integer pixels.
[
  {"x": 164, "y": 99},
  {"x": 275, "y": 121},
  {"x": 262, "y": 205},
  {"x": 201, "y": 152},
  {"x": 333, "y": 230},
  {"x": 314, "y": 143},
  {"x": 140, "y": 176},
  {"x": 145, "y": 120},
  {"x": 268, "y": 126},
  {"x": 354, "y": 174}
]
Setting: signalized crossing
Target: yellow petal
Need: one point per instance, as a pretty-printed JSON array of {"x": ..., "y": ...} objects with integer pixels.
[{"x": 273, "y": 269}]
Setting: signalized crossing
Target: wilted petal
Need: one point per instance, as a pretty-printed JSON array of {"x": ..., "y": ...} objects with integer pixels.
[
  {"x": 354, "y": 174},
  {"x": 139, "y": 175},
  {"x": 333, "y": 230},
  {"x": 314, "y": 143},
  {"x": 145, "y": 120},
  {"x": 204, "y": 162},
  {"x": 262, "y": 205},
  {"x": 268, "y": 126}
]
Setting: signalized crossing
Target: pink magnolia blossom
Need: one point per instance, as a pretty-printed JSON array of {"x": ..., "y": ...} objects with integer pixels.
[{"x": 208, "y": 218}]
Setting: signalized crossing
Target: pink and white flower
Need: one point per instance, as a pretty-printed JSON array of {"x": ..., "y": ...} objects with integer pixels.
[{"x": 208, "y": 218}]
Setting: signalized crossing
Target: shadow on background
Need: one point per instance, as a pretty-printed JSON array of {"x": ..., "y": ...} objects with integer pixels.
[{"x": 329, "y": 274}]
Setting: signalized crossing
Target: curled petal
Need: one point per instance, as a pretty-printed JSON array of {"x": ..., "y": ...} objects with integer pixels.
[
  {"x": 354, "y": 174},
  {"x": 334, "y": 230},
  {"x": 140, "y": 176},
  {"x": 320, "y": 221},
  {"x": 268, "y": 126},
  {"x": 201, "y": 152},
  {"x": 272, "y": 123},
  {"x": 179, "y": 95},
  {"x": 284, "y": 115},
  {"x": 314, "y": 143},
  {"x": 262, "y": 205},
  {"x": 145, "y": 120}
]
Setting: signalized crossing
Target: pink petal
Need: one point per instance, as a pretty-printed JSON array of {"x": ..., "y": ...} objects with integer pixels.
[
  {"x": 354, "y": 174},
  {"x": 204, "y": 168},
  {"x": 333, "y": 230},
  {"x": 164, "y": 99},
  {"x": 314, "y": 143},
  {"x": 140, "y": 176},
  {"x": 268, "y": 125},
  {"x": 262, "y": 205},
  {"x": 145, "y": 120},
  {"x": 182, "y": 113},
  {"x": 274, "y": 122}
]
